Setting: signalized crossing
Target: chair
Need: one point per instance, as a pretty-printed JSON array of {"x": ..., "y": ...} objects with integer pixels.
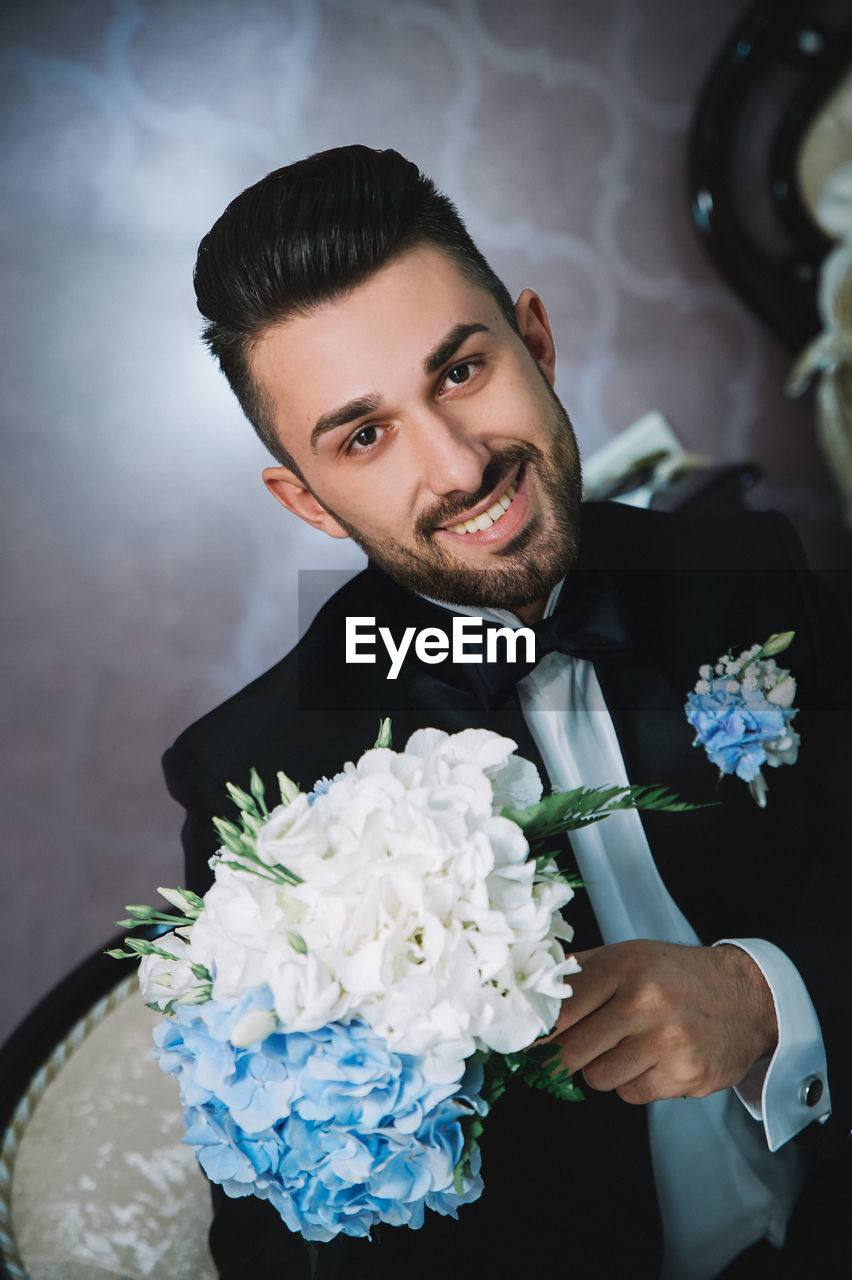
[{"x": 94, "y": 1179}]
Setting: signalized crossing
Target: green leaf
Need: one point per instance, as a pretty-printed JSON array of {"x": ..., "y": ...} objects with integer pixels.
[
  {"x": 659, "y": 798},
  {"x": 458, "y": 1177},
  {"x": 538, "y": 1067},
  {"x": 116, "y": 953},
  {"x": 472, "y": 1129},
  {"x": 562, "y": 810},
  {"x": 297, "y": 942},
  {"x": 565, "y": 811},
  {"x": 384, "y": 738}
]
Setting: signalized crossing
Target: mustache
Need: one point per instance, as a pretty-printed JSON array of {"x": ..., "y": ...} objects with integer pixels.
[{"x": 497, "y": 470}]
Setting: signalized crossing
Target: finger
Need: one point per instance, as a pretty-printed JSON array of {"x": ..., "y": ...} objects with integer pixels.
[
  {"x": 582, "y": 956},
  {"x": 592, "y": 988},
  {"x": 648, "y": 1086},
  {"x": 597, "y": 1035},
  {"x": 565, "y": 1017},
  {"x": 630, "y": 1060}
]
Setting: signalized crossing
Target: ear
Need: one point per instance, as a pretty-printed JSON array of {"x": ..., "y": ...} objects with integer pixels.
[
  {"x": 534, "y": 325},
  {"x": 292, "y": 492}
]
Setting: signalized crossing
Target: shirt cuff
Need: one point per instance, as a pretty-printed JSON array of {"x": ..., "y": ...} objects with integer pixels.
[{"x": 788, "y": 1090}]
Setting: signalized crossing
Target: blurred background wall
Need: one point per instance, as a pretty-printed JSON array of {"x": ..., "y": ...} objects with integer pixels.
[{"x": 147, "y": 575}]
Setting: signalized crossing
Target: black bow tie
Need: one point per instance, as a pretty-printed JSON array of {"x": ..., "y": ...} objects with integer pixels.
[{"x": 586, "y": 623}]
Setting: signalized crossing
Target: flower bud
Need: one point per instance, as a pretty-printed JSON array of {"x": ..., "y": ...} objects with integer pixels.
[
  {"x": 287, "y": 787},
  {"x": 777, "y": 643}
]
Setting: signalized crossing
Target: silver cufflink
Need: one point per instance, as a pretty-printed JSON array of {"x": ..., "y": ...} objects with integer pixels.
[{"x": 812, "y": 1091}]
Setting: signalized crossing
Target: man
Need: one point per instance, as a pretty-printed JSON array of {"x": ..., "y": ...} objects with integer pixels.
[{"x": 410, "y": 406}]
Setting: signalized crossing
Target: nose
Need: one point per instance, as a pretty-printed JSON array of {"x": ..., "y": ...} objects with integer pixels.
[{"x": 450, "y": 458}]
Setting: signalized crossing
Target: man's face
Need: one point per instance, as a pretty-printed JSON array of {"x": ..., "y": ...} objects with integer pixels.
[{"x": 412, "y": 409}]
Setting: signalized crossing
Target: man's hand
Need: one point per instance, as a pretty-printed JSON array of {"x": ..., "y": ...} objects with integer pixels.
[{"x": 656, "y": 1020}]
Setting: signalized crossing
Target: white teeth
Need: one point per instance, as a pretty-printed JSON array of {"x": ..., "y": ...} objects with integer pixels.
[{"x": 489, "y": 517}]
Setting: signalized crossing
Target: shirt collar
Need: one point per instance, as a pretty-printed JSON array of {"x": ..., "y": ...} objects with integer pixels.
[{"x": 504, "y": 617}]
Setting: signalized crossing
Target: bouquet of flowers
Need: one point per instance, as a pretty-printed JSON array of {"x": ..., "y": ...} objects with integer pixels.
[{"x": 355, "y": 989}]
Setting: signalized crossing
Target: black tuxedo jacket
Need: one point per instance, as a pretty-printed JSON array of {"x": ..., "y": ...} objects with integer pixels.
[{"x": 574, "y": 1182}]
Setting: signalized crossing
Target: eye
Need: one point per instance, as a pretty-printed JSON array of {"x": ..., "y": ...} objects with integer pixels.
[
  {"x": 363, "y": 439},
  {"x": 460, "y": 373}
]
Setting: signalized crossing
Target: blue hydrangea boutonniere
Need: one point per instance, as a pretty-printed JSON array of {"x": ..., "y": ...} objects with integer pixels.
[{"x": 741, "y": 711}]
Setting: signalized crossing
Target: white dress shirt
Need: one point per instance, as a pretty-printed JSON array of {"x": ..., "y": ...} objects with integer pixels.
[{"x": 719, "y": 1186}]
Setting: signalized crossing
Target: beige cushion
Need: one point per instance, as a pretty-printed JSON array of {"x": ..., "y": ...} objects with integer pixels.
[{"x": 101, "y": 1183}]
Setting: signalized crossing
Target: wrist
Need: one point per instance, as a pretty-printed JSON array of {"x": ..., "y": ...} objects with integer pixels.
[{"x": 754, "y": 997}]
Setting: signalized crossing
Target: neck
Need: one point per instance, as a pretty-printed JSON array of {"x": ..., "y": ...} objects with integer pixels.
[{"x": 529, "y": 614}]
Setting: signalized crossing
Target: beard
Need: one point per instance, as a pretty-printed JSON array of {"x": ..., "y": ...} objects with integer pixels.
[{"x": 529, "y": 566}]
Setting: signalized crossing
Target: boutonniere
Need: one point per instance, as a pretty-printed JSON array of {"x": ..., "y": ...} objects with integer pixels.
[{"x": 741, "y": 710}]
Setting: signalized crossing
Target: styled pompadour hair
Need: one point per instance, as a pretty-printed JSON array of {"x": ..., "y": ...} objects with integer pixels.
[{"x": 307, "y": 233}]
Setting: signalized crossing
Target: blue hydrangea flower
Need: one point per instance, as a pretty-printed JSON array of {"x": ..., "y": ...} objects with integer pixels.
[
  {"x": 320, "y": 788},
  {"x": 734, "y": 726},
  {"x": 335, "y": 1130}
]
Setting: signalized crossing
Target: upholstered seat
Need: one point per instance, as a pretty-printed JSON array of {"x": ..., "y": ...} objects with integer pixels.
[{"x": 95, "y": 1180}]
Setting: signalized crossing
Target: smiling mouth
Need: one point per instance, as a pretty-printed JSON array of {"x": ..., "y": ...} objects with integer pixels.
[{"x": 492, "y": 515}]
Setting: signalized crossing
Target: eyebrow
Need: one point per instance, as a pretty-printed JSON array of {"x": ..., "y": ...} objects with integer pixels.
[
  {"x": 346, "y": 413},
  {"x": 448, "y": 346},
  {"x": 363, "y": 405}
]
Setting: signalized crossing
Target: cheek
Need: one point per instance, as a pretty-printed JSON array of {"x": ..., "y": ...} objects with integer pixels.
[
  {"x": 520, "y": 410},
  {"x": 379, "y": 513}
]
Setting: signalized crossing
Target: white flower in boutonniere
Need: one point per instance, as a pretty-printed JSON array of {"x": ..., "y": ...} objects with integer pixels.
[{"x": 741, "y": 710}]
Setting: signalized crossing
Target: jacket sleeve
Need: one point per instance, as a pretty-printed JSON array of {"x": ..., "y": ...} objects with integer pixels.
[{"x": 203, "y": 798}]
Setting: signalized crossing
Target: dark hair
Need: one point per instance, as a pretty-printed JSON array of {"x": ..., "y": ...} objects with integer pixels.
[{"x": 305, "y": 234}]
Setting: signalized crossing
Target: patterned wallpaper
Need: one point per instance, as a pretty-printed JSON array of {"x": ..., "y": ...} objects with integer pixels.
[{"x": 148, "y": 575}]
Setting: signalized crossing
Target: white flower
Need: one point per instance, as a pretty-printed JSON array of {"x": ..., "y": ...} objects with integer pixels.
[
  {"x": 291, "y": 833},
  {"x": 783, "y": 750},
  {"x": 783, "y": 692},
  {"x": 161, "y": 979},
  {"x": 419, "y": 909}
]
